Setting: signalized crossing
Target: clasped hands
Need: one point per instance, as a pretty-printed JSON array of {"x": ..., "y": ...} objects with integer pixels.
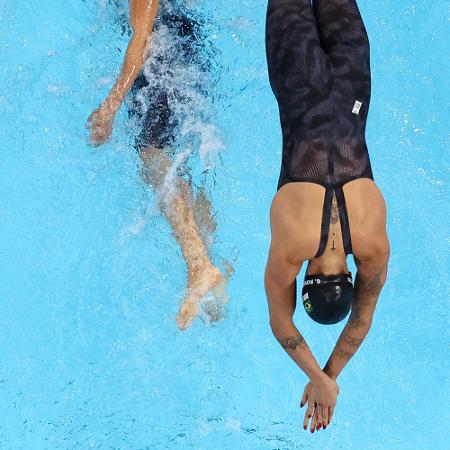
[{"x": 320, "y": 397}]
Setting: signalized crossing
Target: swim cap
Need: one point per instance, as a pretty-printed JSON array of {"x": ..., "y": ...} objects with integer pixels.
[{"x": 328, "y": 298}]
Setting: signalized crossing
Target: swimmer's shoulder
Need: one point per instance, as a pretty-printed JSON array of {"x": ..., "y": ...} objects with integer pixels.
[
  {"x": 365, "y": 203},
  {"x": 295, "y": 217},
  {"x": 366, "y": 209}
]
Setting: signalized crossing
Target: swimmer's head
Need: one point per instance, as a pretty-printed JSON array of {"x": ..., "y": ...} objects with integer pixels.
[{"x": 327, "y": 298}]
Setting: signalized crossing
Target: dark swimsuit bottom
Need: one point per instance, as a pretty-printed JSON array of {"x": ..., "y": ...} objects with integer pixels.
[
  {"x": 319, "y": 69},
  {"x": 158, "y": 124}
]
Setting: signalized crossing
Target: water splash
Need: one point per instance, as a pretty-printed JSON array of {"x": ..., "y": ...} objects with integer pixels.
[{"x": 180, "y": 66}]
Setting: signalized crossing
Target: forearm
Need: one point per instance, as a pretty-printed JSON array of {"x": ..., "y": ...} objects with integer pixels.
[
  {"x": 349, "y": 341},
  {"x": 134, "y": 60},
  {"x": 281, "y": 310},
  {"x": 142, "y": 22},
  {"x": 369, "y": 282},
  {"x": 296, "y": 347}
]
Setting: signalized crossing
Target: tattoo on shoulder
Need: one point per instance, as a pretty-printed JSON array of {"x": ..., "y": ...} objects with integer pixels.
[{"x": 292, "y": 342}]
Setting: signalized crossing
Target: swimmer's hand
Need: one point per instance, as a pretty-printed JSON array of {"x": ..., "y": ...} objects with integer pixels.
[
  {"x": 100, "y": 124},
  {"x": 321, "y": 397}
]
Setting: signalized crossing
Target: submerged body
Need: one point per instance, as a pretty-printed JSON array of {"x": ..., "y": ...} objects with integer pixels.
[
  {"x": 175, "y": 83},
  {"x": 327, "y": 205},
  {"x": 163, "y": 69}
]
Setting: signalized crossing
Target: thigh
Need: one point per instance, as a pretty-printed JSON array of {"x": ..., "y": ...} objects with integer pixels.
[
  {"x": 296, "y": 60},
  {"x": 343, "y": 36}
]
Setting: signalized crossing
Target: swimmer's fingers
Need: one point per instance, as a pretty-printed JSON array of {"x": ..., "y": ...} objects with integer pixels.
[
  {"x": 314, "y": 419},
  {"x": 304, "y": 397},
  {"x": 326, "y": 417},
  {"x": 331, "y": 413},
  {"x": 319, "y": 417},
  {"x": 308, "y": 414}
]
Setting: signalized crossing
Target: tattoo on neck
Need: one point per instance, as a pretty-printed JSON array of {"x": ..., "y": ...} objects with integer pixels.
[{"x": 292, "y": 342}]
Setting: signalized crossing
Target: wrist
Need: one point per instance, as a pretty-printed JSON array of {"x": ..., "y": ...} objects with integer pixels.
[
  {"x": 330, "y": 373},
  {"x": 319, "y": 377},
  {"x": 111, "y": 105}
]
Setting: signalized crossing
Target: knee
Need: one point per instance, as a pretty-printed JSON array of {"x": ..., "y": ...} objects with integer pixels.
[
  {"x": 152, "y": 155},
  {"x": 156, "y": 165}
]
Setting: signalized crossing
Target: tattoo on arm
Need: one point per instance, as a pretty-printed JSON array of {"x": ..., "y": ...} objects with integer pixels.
[
  {"x": 370, "y": 284},
  {"x": 342, "y": 354},
  {"x": 351, "y": 341},
  {"x": 367, "y": 290},
  {"x": 374, "y": 284},
  {"x": 292, "y": 342},
  {"x": 356, "y": 320}
]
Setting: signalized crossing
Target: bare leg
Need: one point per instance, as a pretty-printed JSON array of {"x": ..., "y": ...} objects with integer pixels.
[
  {"x": 178, "y": 208},
  {"x": 204, "y": 217}
]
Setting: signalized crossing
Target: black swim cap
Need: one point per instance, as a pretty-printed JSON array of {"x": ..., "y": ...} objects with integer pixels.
[{"x": 328, "y": 298}]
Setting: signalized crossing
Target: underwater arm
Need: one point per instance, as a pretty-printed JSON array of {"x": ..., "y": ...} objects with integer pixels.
[
  {"x": 288, "y": 250},
  {"x": 321, "y": 392},
  {"x": 143, "y": 13},
  {"x": 281, "y": 291},
  {"x": 370, "y": 279}
]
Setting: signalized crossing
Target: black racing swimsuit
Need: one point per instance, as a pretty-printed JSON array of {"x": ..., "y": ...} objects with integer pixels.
[
  {"x": 182, "y": 48},
  {"x": 319, "y": 70}
]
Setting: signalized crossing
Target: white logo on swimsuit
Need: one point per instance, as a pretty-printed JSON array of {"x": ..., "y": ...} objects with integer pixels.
[
  {"x": 357, "y": 107},
  {"x": 305, "y": 296},
  {"x": 309, "y": 282}
]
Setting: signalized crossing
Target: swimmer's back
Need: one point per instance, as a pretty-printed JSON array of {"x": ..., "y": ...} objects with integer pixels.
[{"x": 300, "y": 227}]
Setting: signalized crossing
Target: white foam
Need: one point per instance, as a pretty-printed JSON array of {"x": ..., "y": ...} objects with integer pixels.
[{"x": 186, "y": 86}]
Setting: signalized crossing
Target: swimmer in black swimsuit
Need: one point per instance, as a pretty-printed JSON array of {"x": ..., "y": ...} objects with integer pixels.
[
  {"x": 157, "y": 102},
  {"x": 327, "y": 205}
]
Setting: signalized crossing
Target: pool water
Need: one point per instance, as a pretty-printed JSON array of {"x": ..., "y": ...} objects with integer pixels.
[{"x": 91, "y": 278}]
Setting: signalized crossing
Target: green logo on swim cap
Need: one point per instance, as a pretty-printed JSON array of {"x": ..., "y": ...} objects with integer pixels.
[{"x": 308, "y": 306}]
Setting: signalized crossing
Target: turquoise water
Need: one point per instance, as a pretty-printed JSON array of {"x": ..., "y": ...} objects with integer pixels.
[{"x": 91, "y": 278}]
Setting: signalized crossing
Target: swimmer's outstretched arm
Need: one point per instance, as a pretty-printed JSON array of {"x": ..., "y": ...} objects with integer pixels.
[
  {"x": 142, "y": 18},
  {"x": 370, "y": 279},
  {"x": 281, "y": 291},
  {"x": 280, "y": 287}
]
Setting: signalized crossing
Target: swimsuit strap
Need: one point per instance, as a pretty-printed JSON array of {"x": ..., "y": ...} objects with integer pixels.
[
  {"x": 326, "y": 216},
  {"x": 343, "y": 217}
]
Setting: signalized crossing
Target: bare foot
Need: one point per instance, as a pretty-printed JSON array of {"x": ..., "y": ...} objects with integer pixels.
[{"x": 210, "y": 280}]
